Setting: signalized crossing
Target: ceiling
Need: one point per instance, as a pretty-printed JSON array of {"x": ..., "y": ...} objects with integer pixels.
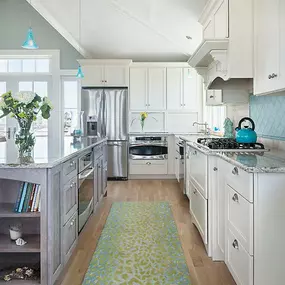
[{"x": 148, "y": 30}]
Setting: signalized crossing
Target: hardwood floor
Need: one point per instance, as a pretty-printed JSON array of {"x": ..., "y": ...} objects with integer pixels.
[{"x": 203, "y": 270}]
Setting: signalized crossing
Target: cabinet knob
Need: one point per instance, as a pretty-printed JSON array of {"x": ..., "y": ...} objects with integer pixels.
[
  {"x": 235, "y": 244},
  {"x": 72, "y": 163},
  {"x": 235, "y": 197},
  {"x": 212, "y": 96},
  {"x": 235, "y": 171},
  {"x": 269, "y": 76},
  {"x": 72, "y": 184},
  {"x": 215, "y": 169},
  {"x": 148, "y": 163},
  {"x": 195, "y": 191},
  {"x": 274, "y": 75},
  {"x": 194, "y": 152}
]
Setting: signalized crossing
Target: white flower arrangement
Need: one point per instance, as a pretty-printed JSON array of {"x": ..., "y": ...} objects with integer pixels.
[{"x": 25, "y": 97}]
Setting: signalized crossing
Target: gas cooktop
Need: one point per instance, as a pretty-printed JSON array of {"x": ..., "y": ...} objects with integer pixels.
[{"x": 229, "y": 144}]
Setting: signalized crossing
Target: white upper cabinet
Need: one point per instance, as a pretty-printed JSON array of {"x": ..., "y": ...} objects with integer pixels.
[
  {"x": 217, "y": 26},
  {"x": 138, "y": 88},
  {"x": 182, "y": 93},
  {"x": 105, "y": 73},
  {"x": 147, "y": 88},
  {"x": 190, "y": 89},
  {"x": 93, "y": 76},
  {"x": 174, "y": 88},
  {"x": 116, "y": 76},
  {"x": 156, "y": 88},
  {"x": 269, "y": 45}
]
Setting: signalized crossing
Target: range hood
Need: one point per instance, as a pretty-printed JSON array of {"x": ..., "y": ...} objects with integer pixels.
[{"x": 223, "y": 65}]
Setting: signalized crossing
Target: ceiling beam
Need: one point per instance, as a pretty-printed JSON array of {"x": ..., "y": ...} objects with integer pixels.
[{"x": 39, "y": 7}]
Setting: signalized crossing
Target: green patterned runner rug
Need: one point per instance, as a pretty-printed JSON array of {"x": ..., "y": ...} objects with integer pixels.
[{"x": 139, "y": 245}]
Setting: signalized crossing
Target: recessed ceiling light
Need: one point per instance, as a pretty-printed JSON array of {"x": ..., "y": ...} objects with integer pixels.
[{"x": 188, "y": 38}]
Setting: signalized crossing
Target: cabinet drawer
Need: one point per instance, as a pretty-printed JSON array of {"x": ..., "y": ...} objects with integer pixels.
[
  {"x": 240, "y": 181},
  {"x": 145, "y": 167},
  {"x": 240, "y": 218},
  {"x": 238, "y": 261},
  {"x": 70, "y": 234},
  {"x": 69, "y": 170},
  {"x": 199, "y": 209},
  {"x": 198, "y": 171},
  {"x": 69, "y": 198}
]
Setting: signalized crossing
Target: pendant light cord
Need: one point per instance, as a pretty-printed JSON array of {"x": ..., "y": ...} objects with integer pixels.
[{"x": 79, "y": 32}]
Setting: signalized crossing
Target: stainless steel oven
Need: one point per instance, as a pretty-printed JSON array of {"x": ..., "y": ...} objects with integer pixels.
[
  {"x": 85, "y": 188},
  {"x": 148, "y": 147}
]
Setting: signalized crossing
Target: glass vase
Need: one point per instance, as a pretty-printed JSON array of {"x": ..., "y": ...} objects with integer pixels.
[
  {"x": 142, "y": 125},
  {"x": 25, "y": 141}
]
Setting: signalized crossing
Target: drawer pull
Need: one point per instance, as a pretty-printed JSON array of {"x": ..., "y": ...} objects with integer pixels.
[
  {"x": 72, "y": 163},
  {"x": 72, "y": 184},
  {"x": 195, "y": 191},
  {"x": 235, "y": 197},
  {"x": 235, "y": 171},
  {"x": 72, "y": 223},
  {"x": 235, "y": 244},
  {"x": 215, "y": 169},
  {"x": 148, "y": 163},
  {"x": 194, "y": 152}
]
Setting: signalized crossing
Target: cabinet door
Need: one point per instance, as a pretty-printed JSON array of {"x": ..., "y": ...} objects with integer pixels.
[
  {"x": 221, "y": 21},
  {"x": 116, "y": 76},
  {"x": 156, "y": 88},
  {"x": 281, "y": 75},
  {"x": 266, "y": 46},
  {"x": 174, "y": 88},
  {"x": 209, "y": 30},
  {"x": 190, "y": 94},
  {"x": 138, "y": 88},
  {"x": 93, "y": 76}
]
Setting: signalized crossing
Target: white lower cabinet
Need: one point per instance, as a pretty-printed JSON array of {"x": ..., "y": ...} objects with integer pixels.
[
  {"x": 148, "y": 167},
  {"x": 70, "y": 234},
  {"x": 238, "y": 261},
  {"x": 240, "y": 218},
  {"x": 199, "y": 209}
]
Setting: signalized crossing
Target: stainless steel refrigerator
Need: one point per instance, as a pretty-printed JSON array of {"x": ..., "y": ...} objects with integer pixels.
[{"x": 105, "y": 114}]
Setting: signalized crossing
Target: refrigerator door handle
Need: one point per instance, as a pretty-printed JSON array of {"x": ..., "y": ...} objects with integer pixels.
[{"x": 117, "y": 143}]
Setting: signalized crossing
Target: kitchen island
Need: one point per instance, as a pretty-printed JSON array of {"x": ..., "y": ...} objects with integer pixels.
[{"x": 50, "y": 228}]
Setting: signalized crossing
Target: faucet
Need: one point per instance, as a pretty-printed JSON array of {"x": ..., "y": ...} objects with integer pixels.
[{"x": 206, "y": 130}]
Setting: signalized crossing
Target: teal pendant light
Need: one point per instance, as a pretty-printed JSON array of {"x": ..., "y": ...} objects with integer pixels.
[
  {"x": 30, "y": 43},
  {"x": 80, "y": 73}
]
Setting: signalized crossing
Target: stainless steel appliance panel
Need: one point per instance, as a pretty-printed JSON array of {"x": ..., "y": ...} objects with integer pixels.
[
  {"x": 116, "y": 114},
  {"x": 117, "y": 159},
  {"x": 92, "y": 104}
]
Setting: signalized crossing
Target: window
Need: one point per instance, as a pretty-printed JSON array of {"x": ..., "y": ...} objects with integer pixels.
[
  {"x": 70, "y": 87},
  {"x": 41, "y": 65},
  {"x": 2, "y": 120},
  {"x": 215, "y": 117}
]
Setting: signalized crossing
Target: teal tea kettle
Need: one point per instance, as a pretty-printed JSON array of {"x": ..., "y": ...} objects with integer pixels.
[{"x": 244, "y": 132}]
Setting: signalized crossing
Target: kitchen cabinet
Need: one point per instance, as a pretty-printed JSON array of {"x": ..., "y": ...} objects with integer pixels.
[
  {"x": 98, "y": 179},
  {"x": 147, "y": 88},
  {"x": 217, "y": 24},
  {"x": 175, "y": 125},
  {"x": 226, "y": 97},
  {"x": 105, "y": 73},
  {"x": 214, "y": 97},
  {"x": 148, "y": 167},
  {"x": 182, "y": 88},
  {"x": 269, "y": 44}
]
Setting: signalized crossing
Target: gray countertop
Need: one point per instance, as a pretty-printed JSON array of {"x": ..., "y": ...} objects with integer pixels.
[
  {"x": 261, "y": 162},
  {"x": 9, "y": 155}
]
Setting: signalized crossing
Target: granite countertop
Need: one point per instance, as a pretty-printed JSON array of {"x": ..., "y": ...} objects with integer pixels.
[
  {"x": 258, "y": 162},
  {"x": 45, "y": 159}
]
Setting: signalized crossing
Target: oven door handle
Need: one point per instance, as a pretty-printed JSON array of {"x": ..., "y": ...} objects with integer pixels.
[
  {"x": 85, "y": 174},
  {"x": 149, "y": 144}
]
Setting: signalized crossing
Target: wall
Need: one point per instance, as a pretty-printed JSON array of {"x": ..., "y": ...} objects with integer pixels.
[{"x": 15, "y": 17}]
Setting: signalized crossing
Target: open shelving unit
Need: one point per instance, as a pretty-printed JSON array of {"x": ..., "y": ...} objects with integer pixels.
[{"x": 12, "y": 255}]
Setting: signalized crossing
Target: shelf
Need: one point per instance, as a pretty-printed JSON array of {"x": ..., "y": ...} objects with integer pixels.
[
  {"x": 20, "y": 282},
  {"x": 7, "y": 211},
  {"x": 202, "y": 57},
  {"x": 33, "y": 244}
]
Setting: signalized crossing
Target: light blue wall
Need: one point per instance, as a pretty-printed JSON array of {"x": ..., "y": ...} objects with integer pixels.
[
  {"x": 268, "y": 113},
  {"x": 15, "y": 16}
]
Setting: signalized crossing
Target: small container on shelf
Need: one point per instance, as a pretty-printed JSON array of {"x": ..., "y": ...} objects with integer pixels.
[{"x": 15, "y": 231}]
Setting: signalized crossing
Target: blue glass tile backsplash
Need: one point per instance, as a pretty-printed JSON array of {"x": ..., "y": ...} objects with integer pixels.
[{"x": 268, "y": 113}]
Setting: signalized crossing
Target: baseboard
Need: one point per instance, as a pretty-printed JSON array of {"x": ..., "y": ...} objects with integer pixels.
[{"x": 151, "y": 177}]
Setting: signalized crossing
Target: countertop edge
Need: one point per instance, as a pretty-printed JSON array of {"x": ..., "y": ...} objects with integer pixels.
[{"x": 52, "y": 164}]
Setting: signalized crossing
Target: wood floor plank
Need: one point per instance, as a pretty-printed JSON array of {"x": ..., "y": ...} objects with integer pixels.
[{"x": 203, "y": 270}]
